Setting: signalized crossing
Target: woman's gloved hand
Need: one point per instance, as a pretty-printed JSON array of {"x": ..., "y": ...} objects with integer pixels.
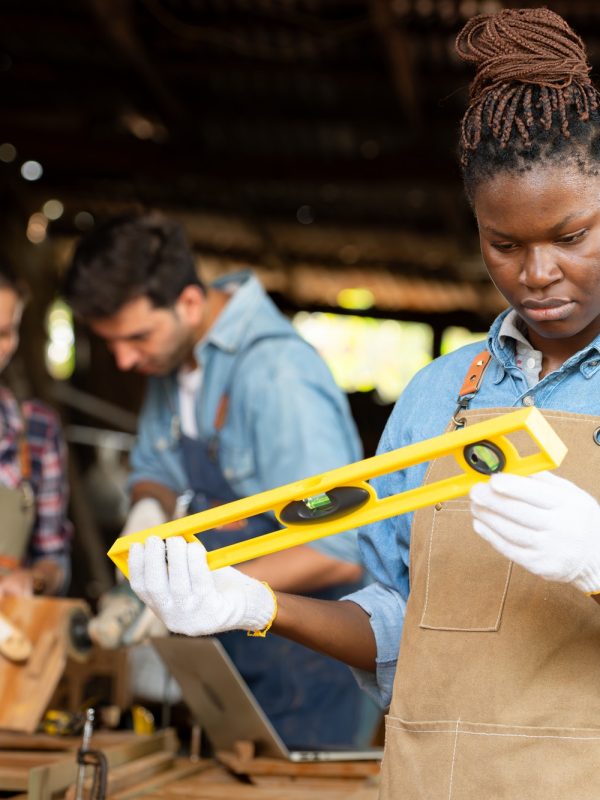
[
  {"x": 543, "y": 522},
  {"x": 173, "y": 579}
]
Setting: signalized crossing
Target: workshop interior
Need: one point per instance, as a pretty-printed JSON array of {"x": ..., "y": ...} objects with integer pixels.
[{"x": 312, "y": 145}]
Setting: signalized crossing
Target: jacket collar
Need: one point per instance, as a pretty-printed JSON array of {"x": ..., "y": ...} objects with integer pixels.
[
  {"x": 247, "y": 316},
  {"x": 502, "y": 347}
]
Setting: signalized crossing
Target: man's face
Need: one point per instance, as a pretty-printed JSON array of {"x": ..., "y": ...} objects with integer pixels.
[{"x": 149, "y": 340}]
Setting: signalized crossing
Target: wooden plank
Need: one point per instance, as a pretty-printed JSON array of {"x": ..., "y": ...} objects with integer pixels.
[
  {"x": 15, "y": 767},
  {"x": 26, "y": 688},
  {"x": 47, "y": 780},
  {"x": 135, "y": 771},
  {"x": 345, "y": 784},
  {"x": 127, "y": 774},
  {"x": 11, "y": 779},
  {"x": 55, "y": 760},
  {"x": 279, "y": 766},
  {"x": 45, "y": 741},
  {"x": 185, "y": 790},
  {"x": 182, "y": 768},
  {"x": 26, "y": 759}
]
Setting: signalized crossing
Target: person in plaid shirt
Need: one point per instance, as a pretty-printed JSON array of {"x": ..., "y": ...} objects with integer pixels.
[{"x": 35, "y": 533}]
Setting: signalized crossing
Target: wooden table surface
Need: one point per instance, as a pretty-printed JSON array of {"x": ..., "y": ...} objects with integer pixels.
[{"x": 41, "y": 767}]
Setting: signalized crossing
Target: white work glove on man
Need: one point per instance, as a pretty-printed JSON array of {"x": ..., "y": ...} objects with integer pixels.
[
  {"x": 122, "y": 619},
  {"x": 146, "y": 513},
  {"x": 543, "y": 522},
  {"x": 173, "y": 579}
]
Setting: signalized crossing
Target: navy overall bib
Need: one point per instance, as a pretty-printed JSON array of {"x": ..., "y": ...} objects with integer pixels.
[{"x": 311, "y": 700}]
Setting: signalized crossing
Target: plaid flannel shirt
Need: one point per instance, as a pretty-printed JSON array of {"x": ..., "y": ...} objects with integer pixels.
[{"x": 51, "y": 534}]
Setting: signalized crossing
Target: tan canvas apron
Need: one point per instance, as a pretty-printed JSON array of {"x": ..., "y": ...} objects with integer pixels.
[
  {"x": 17, "y": 515},
  {"x": 497, "y": 688}
]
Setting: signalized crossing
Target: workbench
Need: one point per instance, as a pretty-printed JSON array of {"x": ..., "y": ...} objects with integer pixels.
[{"x": 43, "y": 767}]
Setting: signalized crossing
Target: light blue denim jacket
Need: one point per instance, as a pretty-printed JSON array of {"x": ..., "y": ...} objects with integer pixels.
[
  {"x": 286, "y": 419},
  {"x": 423, "y": 411}
]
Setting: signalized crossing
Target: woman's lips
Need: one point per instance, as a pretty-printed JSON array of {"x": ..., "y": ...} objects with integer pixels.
[{"x": 548, "y": 310}]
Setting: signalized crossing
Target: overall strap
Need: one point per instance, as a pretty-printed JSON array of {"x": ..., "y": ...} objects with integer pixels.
[
  {"x": 221, "y": 414},
  {"x": 24, "y": 457},
  {"x": 471, "y": 385}
]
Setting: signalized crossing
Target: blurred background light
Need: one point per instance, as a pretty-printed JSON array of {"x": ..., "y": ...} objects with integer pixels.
[
  {"x": 358, "y": 299},
  {"x": 32, "y": 170},
  {"x": 8, "y": 152},
  {"x": 366, "y": 354},
  {"x": 53, "y": 209},
  {"x": 305, "y": 215},
  {"x": 37, "y": 226},
  {"x": 455, "y": 337},
  {"x": 60, "y": 344},
  {"x": 83, "y": 220},
  {"x": 381, "y": 355}
]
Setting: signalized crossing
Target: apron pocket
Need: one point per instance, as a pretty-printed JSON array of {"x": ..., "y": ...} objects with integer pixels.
[
  {"x": 462, "y": 761},
  {"x": 466, "y": 579},
  {"x": 417, "y": 760}
]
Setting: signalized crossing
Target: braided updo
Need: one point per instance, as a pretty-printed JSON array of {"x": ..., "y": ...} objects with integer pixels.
[{"x": 531, "y": 97}]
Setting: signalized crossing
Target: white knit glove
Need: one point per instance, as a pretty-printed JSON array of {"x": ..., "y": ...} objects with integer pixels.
[
  {"x": 543, "y": 522},
  {"x": 173, "y": 579},
  {"x": 146, "y": 513}
]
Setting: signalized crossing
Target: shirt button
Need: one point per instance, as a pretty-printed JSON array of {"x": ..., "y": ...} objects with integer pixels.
[
  {"x": 528, "y": 400},
  {"x": 530, "y": 363},
  {"x": 593, "y": 364}
]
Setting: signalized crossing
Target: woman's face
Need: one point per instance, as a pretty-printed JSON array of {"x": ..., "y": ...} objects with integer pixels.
[
  {"x": 11, "y": 310},
  {"x": 540, "y": 240}
]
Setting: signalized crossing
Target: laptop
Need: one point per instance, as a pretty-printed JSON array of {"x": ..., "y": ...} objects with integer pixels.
[{"x": 222, "y": 703}]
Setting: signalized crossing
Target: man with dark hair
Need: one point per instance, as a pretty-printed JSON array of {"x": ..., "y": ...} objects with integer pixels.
[{"x": 237, "y": 403}]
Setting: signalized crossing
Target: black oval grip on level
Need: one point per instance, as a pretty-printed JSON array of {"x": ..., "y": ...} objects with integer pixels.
[
  {"x": 342, "y": 500},
  {"x": 485, "y": 457}
]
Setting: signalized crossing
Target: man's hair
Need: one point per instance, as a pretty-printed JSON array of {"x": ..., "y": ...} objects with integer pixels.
[
  {"x": 532, "y": 100},
  {"x": 127, "y": 257},
  {"x": 10, "y": 280}
]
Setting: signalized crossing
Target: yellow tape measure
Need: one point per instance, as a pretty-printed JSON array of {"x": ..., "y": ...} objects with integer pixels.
[{"x": 342, "y": 499}]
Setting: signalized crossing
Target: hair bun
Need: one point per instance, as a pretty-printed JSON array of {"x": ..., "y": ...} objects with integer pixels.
[{"x": 525, "y": 45}]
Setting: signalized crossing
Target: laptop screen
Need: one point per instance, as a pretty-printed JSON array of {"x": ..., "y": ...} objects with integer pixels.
[
  {"x": 224, "y": 706},
  {"x": 217, "y": 695}
]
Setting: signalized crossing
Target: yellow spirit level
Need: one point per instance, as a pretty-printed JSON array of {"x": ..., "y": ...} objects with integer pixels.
[{"x": 341, "y": 499}]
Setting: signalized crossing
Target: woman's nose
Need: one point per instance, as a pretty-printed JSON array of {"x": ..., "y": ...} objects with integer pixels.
[{"x": 539, "y": 267}]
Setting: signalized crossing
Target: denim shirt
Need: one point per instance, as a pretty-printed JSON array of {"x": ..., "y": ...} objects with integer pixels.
[
  {"x": 423, "y": 411},
  {"x": 286, "y": 418}
]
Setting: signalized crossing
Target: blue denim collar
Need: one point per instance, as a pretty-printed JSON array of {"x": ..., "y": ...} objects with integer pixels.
[
  {"x": 504, "y": 353},
  {"x": 244, "y": 318}
]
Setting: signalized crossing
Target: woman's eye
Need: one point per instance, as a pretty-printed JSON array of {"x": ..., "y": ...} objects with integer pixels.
[
  {"x": 504, "y": 247},
  {"x": 572, "y": 237}
]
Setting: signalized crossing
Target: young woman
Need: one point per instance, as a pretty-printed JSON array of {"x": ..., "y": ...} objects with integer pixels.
[
  {"x": 34, "y": 531},
  {"x": 487, "y": 656}
]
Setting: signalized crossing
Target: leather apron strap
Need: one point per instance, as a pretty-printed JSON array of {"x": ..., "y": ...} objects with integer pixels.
[{"x": 471, "y": 385}]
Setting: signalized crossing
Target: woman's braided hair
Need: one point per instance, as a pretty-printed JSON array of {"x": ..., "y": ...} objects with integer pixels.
[{"x": 532, "y": 93}]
